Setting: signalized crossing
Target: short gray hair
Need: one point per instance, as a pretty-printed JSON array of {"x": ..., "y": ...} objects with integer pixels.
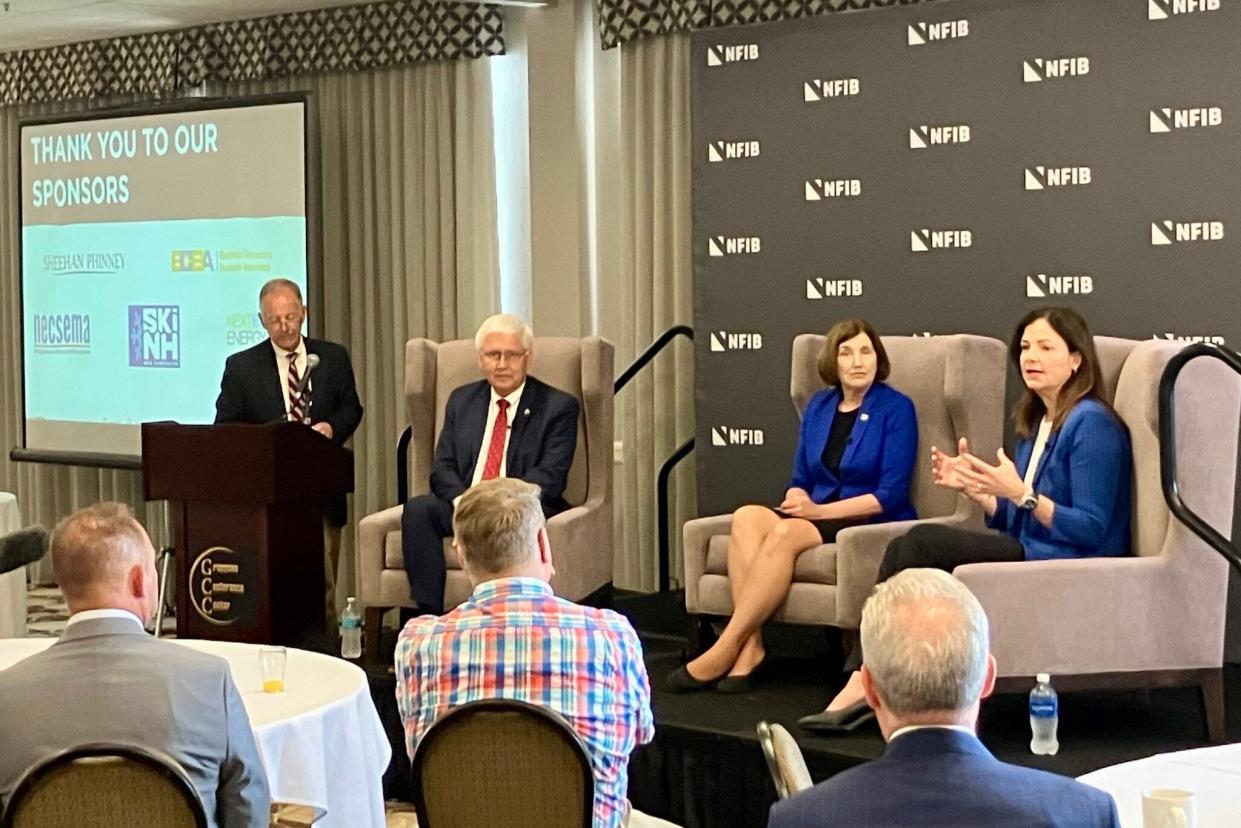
[
  {"x": 504, "y": 323},
  {"x": 925, "y": 642},
  {"x": 497, "y": 524},
  {"x": 273, "y": 285}
]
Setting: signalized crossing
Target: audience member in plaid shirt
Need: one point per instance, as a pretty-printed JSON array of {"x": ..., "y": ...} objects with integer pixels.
[{"x": 514, "y": 639}]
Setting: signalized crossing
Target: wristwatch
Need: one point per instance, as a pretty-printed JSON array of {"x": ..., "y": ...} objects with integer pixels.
[{"x": 1029, "y": 500}]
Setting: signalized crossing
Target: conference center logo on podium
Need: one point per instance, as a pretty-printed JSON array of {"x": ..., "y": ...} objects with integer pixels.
[
  {"x": 725, "y": 436},
  {"x": 825, "y": 89},
  {"x": 922, "y": 33},
  {"x": 1163, "y": 9},
  {"x": 1037, "y": 70},
  {"x": 1043, "y": 285},
  {"x": 61, "y": 333},
  {"x": 737, "y": 53},
  {"x": 155, "y": 336},
  {"x": 1168, "y": 119},
  {"x": 1185, "y": 232},
  {"x": 926, "y": 136}
]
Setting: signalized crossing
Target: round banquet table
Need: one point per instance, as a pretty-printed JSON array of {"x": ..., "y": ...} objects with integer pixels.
[
  {"x": 12, "y": 584},
  {"x": 321, "y": 740},
  {"x": 1213, "y": 773}
]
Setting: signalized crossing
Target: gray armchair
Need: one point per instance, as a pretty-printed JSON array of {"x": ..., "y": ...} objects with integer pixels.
[{"x": 957, "y": 385}]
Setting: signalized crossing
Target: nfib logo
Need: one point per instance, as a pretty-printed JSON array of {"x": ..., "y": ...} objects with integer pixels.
[
  {"x": 724, "y": 436},
  {"x": 821, "y": 288},
  {"x": 722, "y": 341},
  {"x": 1168, "y": 119},
  {"x": 1209, "y": 339},
  {"x": 921, "y": 241},
  {"x": 1038, "y": 70},
  {"x": 1173, "y": 232},
  {"x": 718, "y": 151},
  {"x": 1042, "y": 285},
  {"x": 818, "y": 189},
  {"x": 720, "y": 55},
  {"x": 1040, "y": 178},
  {"x": 818, "y": 89},
  {"x": 1163, "y": 9},
  {"x": 923, "y": 33},
  {"x": 922, "y": 137},
  {"x": 733, "y": 245}
]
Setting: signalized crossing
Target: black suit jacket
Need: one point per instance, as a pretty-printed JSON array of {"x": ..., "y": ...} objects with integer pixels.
[{"x": 541, "y": 442}]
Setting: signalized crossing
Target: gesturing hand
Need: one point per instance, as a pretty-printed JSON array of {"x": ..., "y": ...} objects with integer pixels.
[
  {"x": 1000, "y": 480},
  {"x": 946, "y": 469}
]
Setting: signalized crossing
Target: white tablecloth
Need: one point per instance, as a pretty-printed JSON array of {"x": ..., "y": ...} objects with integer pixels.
[
  {"x": 12, "y": 584},
  {"x": 1213, "y": 773},
  {"x": 321, "y": 740}
]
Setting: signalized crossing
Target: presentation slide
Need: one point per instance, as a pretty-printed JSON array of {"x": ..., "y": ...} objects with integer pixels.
[{"x": 145, "y": 241}]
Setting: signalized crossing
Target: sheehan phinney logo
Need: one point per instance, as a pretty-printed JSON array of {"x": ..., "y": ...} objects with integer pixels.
[
  {"x": 1175, "y": 232},
  {"x": 1037, "y": 70},
  {"x": 922, "y": 137},
  {"x": 733, "y": 245},
  {"x": 922, "y": 33},
  {"x": 1167, "y": 119},
  {"x": 1163, "y": 9},
  {"x": 820, "y": 287},
  {"x": 725, "y": 436},
  {"x": 61, "y": 333},
  {"x": 155, "y": 336},
  {"x": 818, "y": 189},
  {"x": 720, "y": 55},
  {"x": 84, "y": 264},
  {"x": 722, "y": 341},
  {"x": 718, "y": 151},
  {"x": 922, "y": 241},
  {"x": 1040, "y": 177},
  {"x": 1042, "y": 285},
  {"x": 819, "y": 89}
]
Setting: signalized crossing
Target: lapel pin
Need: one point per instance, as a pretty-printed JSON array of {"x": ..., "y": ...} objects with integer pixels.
[
  {"x": 864, "y": 417},
  {"x": 526, "y": 412}
]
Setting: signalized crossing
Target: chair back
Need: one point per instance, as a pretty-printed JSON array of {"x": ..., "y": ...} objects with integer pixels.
[
  {"x": 502, "y": 762},
  {"x": 105, "y": 786},
  {"x": 785, "y": 762}
]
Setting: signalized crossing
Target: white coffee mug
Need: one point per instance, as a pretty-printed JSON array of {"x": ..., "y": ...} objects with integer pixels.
[{"x": 1168, "y": 808}]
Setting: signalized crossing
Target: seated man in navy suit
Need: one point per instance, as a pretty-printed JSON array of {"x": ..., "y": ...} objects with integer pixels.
[
  {"x": 926, "y": 667},
  {"x": 507, "y": 424}
]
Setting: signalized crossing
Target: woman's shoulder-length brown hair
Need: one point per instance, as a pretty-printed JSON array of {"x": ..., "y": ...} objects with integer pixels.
[
  {"x": 1086, "y": 381},
  {"x": 838, "y": 333}
]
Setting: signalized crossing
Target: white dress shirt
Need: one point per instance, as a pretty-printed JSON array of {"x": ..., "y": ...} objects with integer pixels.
[
  {"x": 513, "y": 397},
  {"x": 282, "y": 368},
  {"x": 1036, "y": 453},
  {"x": 96, "y": 614},
  {"x": 911, "y": 728}
]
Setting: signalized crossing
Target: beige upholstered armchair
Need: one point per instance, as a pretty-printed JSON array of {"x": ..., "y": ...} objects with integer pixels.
[
  {"x": 957, "y": 385},
  {"x": 581, "y": 536},
  {"x": 1155, "y": 618}
]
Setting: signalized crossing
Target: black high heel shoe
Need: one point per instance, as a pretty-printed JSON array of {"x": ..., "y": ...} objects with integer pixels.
[
  {"x": 680, "y": 681},
  {"x": 837, "y": 721},
  {"x": 735, "y": 685}
]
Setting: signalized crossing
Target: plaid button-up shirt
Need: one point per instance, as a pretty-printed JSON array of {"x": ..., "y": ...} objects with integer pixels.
[{"x": 514, "y": 639}]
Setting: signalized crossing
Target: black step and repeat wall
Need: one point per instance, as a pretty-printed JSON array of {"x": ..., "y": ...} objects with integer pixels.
[{"x": 942, "y": 168}]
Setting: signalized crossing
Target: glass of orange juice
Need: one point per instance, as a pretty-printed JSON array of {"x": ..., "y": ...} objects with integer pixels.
[{"x": 271, "y": 668}]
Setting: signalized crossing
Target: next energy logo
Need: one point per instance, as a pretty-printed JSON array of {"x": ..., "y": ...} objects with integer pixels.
[
  {"x": 243, "y": 329},
  {"x": 61, "y": 333},
  {"x": 155, "y": 336}
]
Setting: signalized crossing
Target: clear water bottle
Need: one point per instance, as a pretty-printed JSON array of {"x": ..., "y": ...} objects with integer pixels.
[
  {"x": 350, "y": 631},
  {"x": 1044, "y": 717}
]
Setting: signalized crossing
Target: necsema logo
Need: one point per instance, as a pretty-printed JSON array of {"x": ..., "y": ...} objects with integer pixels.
[
  {"x": 820, "y": 89},
  {"x": 725, "y": 436},
  {"x": 1042, "y": 285},
  {"x": 733, "y": 245},
  {"x": 818, "y": 189},
  {"x": 1038, "y": 70},
  {"x": 720, "y": 55},
  {"x": 1042, "y": 178},
  {"x": 822, "y": 288},
  {"x": 1168, "y": 119},
  {"x": 155, "y": 336},
  {"x": 1208, "y": 339},
  {"x": 1176, "y": 232},
  {"x": 84, "y": 264},
  {"x": 923, "y": 33},
  {"x": 718, "y": 151},
  {"x": 923, "y": 137},
  {"x": 193, "y": 261},
  {"x": 722, "y": 341},
  {"x": 1163, "y": 9},
  {"x": 922, "y": 241},
  {"x": 61, "y": 333},
  {"x": 243, "y": 329}
]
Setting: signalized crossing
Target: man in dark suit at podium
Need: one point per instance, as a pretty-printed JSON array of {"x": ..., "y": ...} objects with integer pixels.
[
  {"x": 507, "y": 424},
  {"x": 295, "y": 378}
]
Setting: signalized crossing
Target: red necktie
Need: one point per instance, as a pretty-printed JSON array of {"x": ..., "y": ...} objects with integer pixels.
[
  {"x": 495, "y": 451},
  {"x": 295, "y": 399}
]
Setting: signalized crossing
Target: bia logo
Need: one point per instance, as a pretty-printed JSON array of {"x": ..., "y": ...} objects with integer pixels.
[
  {"x": 155, "y": 336},
  {"x": 920, "y": 241},
  {"x": 724, "y": 436},
  {"x": 1163, "y": 9},
  {"x": 923, "y": 33},
  {"x": 1042, "y": 69},
  {"x": 718, "y": 151},
  {"x": 1172, "y": 232},
  {"x": 818, "y": 189},
  {"x": 817, "y": 90},
  {"x": 736, "y": 341},
  {"x": 1168, "y": 119},
  {"x": 1042, "y": 285},
  {"x": 193, "y": 261},
  {"x": 719, "y": 55},
  {"x": 820, "y": 288},
  {"x": 1039, "y": 178},
  {"x": 733, "y": 245},
  {"x": 1171, "y": 337},
  {"x": 921, "y": 137}
]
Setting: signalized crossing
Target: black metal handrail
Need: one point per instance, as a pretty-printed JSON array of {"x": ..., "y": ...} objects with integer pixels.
[
  {"x": 649, "y": 354},
  {"x": 1167, "y": 446}
]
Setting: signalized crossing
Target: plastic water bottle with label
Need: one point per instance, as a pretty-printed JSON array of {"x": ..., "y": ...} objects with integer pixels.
[
  {"x": 1044, "y": 717},
  {"x": 350, "y": 631}
]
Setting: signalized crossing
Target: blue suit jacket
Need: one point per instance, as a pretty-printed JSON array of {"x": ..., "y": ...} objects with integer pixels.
[
  {"x": 1086, "y": 469},
  {"x": 879, "y": 458},
  {"x": 942, "y": 777}
]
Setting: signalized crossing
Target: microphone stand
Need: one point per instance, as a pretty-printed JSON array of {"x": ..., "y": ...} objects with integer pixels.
[{"x": 165, "y": 560}]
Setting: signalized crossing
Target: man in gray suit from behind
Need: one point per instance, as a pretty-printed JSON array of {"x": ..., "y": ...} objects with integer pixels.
[{"x": 106, "y": 680}]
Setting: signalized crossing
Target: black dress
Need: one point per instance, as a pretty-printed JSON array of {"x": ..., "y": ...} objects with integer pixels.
[{"x": 837, "y": 442}]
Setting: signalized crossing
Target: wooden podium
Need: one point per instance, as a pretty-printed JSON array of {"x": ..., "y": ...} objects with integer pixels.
[{"x": 247, "y": 507}]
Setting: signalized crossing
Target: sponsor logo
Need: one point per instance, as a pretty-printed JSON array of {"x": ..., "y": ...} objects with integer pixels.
[
  {"x": 1037, "y": 70},
  {"x": 736, "y": 341},
  {"x": 922, "y": 241},
  {"x": 718, "y": 151},
  {"x": 1041, "y": 178},
  {"x": 61, "y": 333},
  {"x": 84, "y": 264},
  {"x": 1171, "y": 337},
  {"x": 1163, "y": 9},
  {"x": 720, "y": 55},
  {"x": 243, "y": 329},
  {"x": 1042, "y": 285},
  {"x": 733, "y": 245},
  {"x": 193, "y": 261},
  {"x": 819, "y": 89},
  {"x": 1168, "y": 119},
  {"x": 818, "y": 189},
  {"x": 923, "y": 137},
  {"x": 200, "y": 260},
  {"x": 155, "y": 336},
  {"x": 821, "y": 288},
  {"x": 1175, "y": 232},
  {"x": 923, "y": 33},
  {"x": 724, "y": 436}
]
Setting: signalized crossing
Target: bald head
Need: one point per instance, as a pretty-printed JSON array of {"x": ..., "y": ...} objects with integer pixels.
[{"x": 103, "y": 558}]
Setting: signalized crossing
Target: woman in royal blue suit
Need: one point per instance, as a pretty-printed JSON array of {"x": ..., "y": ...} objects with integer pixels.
[
  {"x": 1065, "y": 494},
  {"x": 855, "y": 458}
]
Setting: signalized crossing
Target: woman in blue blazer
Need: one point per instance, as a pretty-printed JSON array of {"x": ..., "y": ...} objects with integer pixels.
[
  {"x": 855, "y": 458},
  {"x": 1065, "y": 493}
]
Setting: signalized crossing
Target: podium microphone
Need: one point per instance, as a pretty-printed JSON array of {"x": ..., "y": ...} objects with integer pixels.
[{"x": 312, "y": 362}]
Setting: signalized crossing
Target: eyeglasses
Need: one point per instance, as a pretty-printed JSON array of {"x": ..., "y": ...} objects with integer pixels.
[{"x": 496, "y": 357}]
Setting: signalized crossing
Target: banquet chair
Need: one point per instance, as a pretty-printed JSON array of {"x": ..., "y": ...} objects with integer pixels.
[
  {"x": 105, "y": 786},
  {"x": 502, "y": 762},
  {"x": 785, "y": 762}
]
